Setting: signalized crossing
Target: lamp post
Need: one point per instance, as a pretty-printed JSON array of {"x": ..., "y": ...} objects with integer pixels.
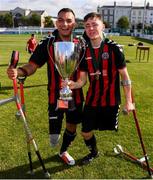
[
  {"x": 13, "y": 16},
  {"x": 143, "y": 22}
]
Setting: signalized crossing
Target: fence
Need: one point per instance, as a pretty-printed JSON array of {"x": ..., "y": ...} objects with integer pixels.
[{"x": 25, "y": 30}]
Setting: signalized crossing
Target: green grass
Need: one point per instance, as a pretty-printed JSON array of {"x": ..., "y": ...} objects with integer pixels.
[{"x": 13, "y": 152}]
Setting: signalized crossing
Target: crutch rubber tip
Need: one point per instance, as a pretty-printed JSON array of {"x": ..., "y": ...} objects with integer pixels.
[
  {"x": 47, "y": 175},
  {"x": 18, "y": 116}
]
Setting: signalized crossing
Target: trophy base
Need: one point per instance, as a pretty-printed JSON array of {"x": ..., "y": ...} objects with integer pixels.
[{"x": 66, "y": 104}]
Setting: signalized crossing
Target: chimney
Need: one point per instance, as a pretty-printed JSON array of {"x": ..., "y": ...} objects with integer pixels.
[{"x": 147, "y": 6}]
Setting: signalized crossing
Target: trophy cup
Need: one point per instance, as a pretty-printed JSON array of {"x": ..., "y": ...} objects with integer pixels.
[{"x": 66, "y": 61}]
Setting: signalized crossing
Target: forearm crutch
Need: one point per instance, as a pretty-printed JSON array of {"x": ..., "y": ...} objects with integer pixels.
[
  {"x": 140, "y": 137},
  {"x": 119, "y": 150},
  {"x": 30, "y": 139},
  {"x": 144, "y": 160},
  {"x": 18, "y": 116}
]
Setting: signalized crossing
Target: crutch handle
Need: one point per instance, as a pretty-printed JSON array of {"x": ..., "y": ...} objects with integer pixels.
[{"x": 14, "y": 59}]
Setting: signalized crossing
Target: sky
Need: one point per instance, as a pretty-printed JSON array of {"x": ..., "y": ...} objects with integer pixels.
[{"x": 80, "y": 7}]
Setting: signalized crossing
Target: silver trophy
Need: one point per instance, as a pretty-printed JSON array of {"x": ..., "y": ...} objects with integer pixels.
[{"x": 66, "y": 61}]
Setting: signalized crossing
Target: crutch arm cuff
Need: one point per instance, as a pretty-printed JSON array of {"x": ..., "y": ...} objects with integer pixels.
[
  {"x": 126, "y": 82},
  {"x": 24, "y": 71}
]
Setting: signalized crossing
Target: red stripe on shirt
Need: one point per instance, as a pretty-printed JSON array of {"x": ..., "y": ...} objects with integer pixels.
[
  {"x": 52, "y": 84},
  {"x": 105, "y": 77},
  {"x": 91, "y": 70},
  {"x": 112, "y": 85}
]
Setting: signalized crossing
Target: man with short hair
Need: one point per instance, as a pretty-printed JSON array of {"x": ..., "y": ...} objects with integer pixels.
[
  {"x": 104, "y": 64},
  {"x": 44, "y": 54},
  {"x": 31, "y": 44}
]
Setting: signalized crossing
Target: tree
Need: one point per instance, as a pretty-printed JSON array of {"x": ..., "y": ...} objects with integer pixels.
[
  {"x": 24, "y": 21},
  {"x": 48, "y": 21},
  {"x": 139, "y": 26},
  {"x": 34, "y": 20},
  {"x": 1, "y": 21},
  {"x": 7, "y": 20},
  {"x": 123, "y": 23},
  {"x": 79, "y": 23},
  {"x": 107, "y": 25}
]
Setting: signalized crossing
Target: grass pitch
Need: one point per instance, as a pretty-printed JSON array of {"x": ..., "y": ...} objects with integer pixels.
[{"x": 13, "y": 152}]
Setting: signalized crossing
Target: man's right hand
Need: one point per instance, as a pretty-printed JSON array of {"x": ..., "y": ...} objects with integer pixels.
[{"x": 12, "y": 73}]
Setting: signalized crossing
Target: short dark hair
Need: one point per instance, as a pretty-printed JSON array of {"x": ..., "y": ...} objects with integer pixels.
[
  {"x": 66, "y": 10},
  {"x": 92, "y": 15}
]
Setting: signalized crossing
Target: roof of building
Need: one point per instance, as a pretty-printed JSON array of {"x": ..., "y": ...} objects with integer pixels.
[
  {"x": 133, "y": 7},
  {"x": 38, "y": 12},
  {"x": 4, "y": 12}
]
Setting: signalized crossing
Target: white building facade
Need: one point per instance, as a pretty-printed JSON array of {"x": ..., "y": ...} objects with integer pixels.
[{"x": 135, "y": 15}]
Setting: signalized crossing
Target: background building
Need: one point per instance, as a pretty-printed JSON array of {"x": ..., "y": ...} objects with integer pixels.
[
  {"x": 139, "y": 17},
  {"x": 18, "y": 13}
]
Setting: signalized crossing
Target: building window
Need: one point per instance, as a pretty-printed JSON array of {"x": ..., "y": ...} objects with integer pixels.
[
  {"x": 105, "y": 18},
  {"x": 139, "y": 13},
  {"x": 111, "y": 11},
  {"x": 110, "y": 18},
  {"x": 133, "y": 17},
  {"x": 134, "y": 13},
  {"x": 105, "y": 11}
]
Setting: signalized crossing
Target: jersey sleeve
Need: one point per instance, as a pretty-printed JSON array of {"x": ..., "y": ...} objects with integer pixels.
[
  {"x": 118, "y": 53},
  {"x": 40, "y": 55},
  {"x": 120, "y": 58}
]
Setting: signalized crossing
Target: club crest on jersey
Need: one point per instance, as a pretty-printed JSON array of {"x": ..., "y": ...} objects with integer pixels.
[{"x": 105, "y": 55}]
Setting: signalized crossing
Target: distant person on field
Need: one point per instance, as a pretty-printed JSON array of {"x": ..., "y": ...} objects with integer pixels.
[
  {"x": 76, "y": 39},
  {"x": 31, "y": 44},
  {"x": 49, "y": 34}
]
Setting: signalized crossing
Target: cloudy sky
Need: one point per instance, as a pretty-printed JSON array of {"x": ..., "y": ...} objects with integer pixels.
[{"x": 80, "y": 7}]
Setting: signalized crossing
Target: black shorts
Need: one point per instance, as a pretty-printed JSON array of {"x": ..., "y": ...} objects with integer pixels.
[
  {"x": 56, "y": 117},
  {"x": 100, "y": 118}
]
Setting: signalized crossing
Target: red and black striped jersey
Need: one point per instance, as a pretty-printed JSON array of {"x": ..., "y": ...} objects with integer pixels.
[
  {"x": 106, "y": 90},
  {"x": 44, "y": 53}
]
